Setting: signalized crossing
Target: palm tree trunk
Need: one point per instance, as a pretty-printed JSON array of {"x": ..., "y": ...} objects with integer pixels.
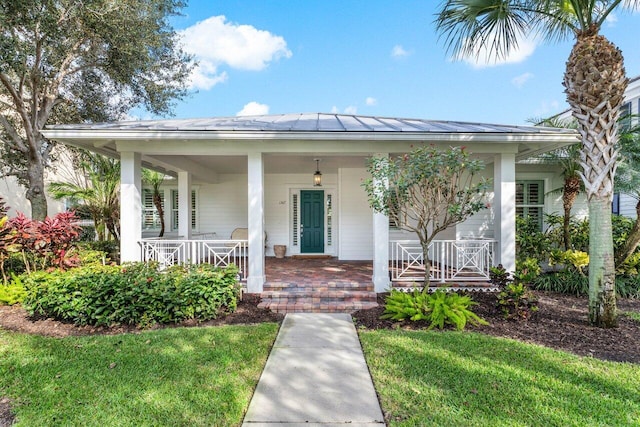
[
  {"x": 595, "y": 82},
  {"x": 157, "y": 201},
  {"x": 569, "y": 194},
  {"x": 602, "y": 278}
]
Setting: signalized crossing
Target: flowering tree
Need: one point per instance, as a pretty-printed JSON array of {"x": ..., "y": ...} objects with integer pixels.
[{"x": 426, "y": 191}]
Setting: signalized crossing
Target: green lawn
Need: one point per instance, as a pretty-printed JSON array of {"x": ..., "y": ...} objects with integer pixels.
[
  {"x": 469, "y": 379},
  {"x": 170, "y": 377}
]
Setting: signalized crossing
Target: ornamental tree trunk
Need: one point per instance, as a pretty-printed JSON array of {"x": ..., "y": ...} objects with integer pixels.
[
  {"x": 595, "y": 82},
  {"x": 36, "y": 190}
]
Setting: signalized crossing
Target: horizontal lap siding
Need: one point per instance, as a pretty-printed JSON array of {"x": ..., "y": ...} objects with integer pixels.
[
  {"x": 223, "y": 206},
  {"x": 356, "y": 217}
]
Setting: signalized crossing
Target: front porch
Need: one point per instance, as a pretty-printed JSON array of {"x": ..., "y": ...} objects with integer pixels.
[{"x": 327, "y": 284}]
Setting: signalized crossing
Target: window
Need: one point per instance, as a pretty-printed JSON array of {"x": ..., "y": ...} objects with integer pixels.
[
  {"x": 174, "y": 209},
  {"x": 625, "y": 116},
  {"x": 295, "y": 219},
  {"x": 530, "y": 200},
  {"x": 329, "y": 219},
  {"x": 615, "y": 204},
  {"x": 150, "y": 215}
]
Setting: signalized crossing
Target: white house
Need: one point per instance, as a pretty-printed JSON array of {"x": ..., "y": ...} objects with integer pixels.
[{"x": 258, "y": 173}]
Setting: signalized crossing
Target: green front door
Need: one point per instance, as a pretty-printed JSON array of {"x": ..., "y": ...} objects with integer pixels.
[{"x": 312, "y": 221}]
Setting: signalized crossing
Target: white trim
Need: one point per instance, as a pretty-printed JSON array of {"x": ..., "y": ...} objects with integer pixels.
[{"x": 131, "y": 208}]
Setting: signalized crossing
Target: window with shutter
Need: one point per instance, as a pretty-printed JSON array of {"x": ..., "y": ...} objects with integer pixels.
[
  {"x": 174, "y": 209},
  {"x": 150, "y": 216},
  {"x": 530, "y": 200}
]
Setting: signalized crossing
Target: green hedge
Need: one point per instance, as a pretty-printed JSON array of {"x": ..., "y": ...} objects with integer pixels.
[{"x": 136, "y": 293}]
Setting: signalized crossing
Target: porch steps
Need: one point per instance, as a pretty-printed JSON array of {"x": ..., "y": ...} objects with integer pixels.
[{"x": 337, "y": 296}]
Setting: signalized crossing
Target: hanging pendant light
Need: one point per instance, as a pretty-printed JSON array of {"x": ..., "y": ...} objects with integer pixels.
[{"x": 317, "y": 177}]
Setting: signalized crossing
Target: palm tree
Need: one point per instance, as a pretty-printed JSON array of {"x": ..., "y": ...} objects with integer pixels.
[
  {"x": 594, "y": 82},
  {"x": 98, "y": 188},
  {"x": 155, "y": 180},
  {"x": 568, "y": 158}
]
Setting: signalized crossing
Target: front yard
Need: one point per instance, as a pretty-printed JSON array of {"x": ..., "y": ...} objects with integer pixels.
[
  {"x": 471, "y": 379},
  {"x": 177, "y": 377}
]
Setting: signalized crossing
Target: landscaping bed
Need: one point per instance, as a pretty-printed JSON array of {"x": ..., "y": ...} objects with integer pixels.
[
  {"x": 15, "y": 318},
  {"x": 561, "y": 323}
]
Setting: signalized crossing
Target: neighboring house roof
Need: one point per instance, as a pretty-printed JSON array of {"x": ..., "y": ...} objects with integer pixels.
[{"x": 308, "y": 122}]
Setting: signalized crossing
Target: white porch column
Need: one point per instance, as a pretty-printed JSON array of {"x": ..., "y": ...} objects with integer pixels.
[
  {"x": 130, "y": 207},
  {"x": 504, "y": 200},
  {"x": 184, "y": 205},
  {"x": 381, "y": 280},
  {"x": 255, "y": 178}
]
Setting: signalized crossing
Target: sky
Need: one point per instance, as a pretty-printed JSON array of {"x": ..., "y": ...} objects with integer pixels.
[{"x": 366, "y": 57}]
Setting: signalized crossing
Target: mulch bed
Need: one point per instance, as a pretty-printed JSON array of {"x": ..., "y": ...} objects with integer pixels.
[
  {"x": 15, "y": 318},
  {"x": 560, "y": 323}
]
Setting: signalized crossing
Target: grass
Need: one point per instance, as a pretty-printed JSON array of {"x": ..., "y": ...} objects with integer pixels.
[
  {"x": 633, "y": 315},
  {"x": 172, "y": 377},
  {"x": 461, "y": 378}
]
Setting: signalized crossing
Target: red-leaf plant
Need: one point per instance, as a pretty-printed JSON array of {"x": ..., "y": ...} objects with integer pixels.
[{"x": 46, "y": 243}]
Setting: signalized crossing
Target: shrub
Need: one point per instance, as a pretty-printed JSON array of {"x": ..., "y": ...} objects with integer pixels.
[
  {"x": 439, "y": 308},
  {"x": 110, "y": 247},
  {"x": 526, "y": 270},
  {"x": 136, "y": 293},
  {"x": 13, "y": 292},
  {"x": 517, "y": 302},
  {"x": 565, "y": 281}
]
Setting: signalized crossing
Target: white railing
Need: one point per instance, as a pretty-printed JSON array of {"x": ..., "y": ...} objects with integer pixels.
[
  {"x": 451, "y": 260},
  {"x": 219, "y": 253}
]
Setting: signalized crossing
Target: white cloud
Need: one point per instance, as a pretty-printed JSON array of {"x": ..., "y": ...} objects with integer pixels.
[
  {"x": 399, "y": 52},
  {"x": 351, "y": 109},
  {"x": 612, "y": 20},
  {"x": 215, "y": 42},
  {"x": 548, "y": 108},
  {"x": 371, "y": 101},
  {"x": 526, "y": 47},
  {"x": 520, "y": 80},
  {"x": 253, "y": 109}
]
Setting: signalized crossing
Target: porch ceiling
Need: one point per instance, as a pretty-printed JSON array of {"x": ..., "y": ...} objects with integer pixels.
[{"x": 205, "y": 168}]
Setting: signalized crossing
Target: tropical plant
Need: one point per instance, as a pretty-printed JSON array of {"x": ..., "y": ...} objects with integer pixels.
[
  {"x": 155, "y": 180},
  {"x": 70, "y": 61},
  {"x": 627, "y": 181},
  {"x": 440, "y": 308},
  {"x": 568, "y": 158},
  {"x": 96, "y": 185},
  {"x": 426, "y": 191},
  {"x": 594, "y": 82}
]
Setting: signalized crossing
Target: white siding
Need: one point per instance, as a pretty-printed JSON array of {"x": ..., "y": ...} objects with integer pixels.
[
  {"x": 356, "y": 217},
  {"x": 222, "y": 207},
  {"x": 628, "y": 206}
]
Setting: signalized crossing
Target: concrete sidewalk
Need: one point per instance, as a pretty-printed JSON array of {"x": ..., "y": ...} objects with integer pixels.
[{"x": 315, "y": 375}]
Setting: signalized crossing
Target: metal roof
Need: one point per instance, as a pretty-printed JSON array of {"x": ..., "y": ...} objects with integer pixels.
[{"x": 309, "y": 122}]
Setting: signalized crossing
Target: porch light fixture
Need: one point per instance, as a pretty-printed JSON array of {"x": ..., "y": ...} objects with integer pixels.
[{"x": 317, "y": 177}]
